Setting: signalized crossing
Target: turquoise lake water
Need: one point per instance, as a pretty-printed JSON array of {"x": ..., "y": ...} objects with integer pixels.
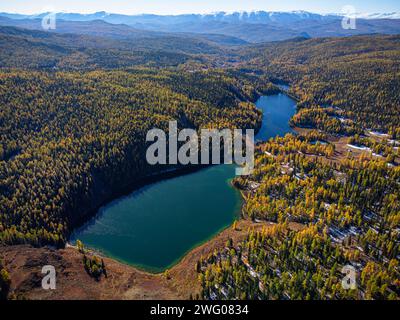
[{"x": 153, "y": 227}]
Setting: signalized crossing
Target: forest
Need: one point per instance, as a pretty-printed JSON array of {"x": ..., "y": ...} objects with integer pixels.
[
  {"x": 71, "y": 139},
  {"x": 345, "y": 210},
  {"x": 358, "y": 76},
  {"x": 349, "y": 213},
  {"x": 5, "y": 281},
  {"x": 75, "y": 110}
]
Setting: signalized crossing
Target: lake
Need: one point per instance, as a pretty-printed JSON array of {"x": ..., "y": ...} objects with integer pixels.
[
  {"x": 277, "y": 111},
  {"x": 155, "y": 226}
]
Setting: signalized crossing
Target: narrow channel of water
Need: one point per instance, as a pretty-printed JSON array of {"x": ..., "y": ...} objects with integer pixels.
[{"x": 153, "y": 227}]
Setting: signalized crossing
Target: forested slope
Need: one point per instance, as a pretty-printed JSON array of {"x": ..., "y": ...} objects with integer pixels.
[
  {"x": 75, "y": 110},
  {"x": 349, "y": 212},
  {"x": 360, "y": 76},
  {"x": 39, "y": 50},
  {"x": 346, "y": 206},
  {"x": 69, "y": 140}
]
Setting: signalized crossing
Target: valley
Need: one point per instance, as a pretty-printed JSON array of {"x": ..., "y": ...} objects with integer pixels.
[{"x": 75, "y": 109}]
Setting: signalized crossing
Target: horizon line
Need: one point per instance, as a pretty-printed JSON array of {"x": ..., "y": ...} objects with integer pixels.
[{"x": 194, "y": 13}]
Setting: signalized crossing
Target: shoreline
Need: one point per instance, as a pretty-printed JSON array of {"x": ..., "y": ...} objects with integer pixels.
[
  {"x": 174, "y": 264},
  {"x": 180, "y": 266},
  {"x": 158, "y": 177},
  {"x": 237, "y": 217},
  {"x": 155, "y": 177},
  {"x": 152, "y": 178},
  {"x": 132, "y": 187},
  {"x": 124, "y": 282}
]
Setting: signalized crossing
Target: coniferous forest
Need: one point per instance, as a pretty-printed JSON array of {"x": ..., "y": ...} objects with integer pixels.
[{"x": 75, "y": 110}]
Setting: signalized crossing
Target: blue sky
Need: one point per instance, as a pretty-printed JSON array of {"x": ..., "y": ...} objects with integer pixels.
[{"x": 195, "y": 6}]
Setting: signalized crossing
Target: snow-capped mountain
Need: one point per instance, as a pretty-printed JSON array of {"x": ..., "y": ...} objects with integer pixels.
[
  {"x": 391, "y": 15},
  {"x": 255, "y": 26},
  {"x": 229, "y": 17}
]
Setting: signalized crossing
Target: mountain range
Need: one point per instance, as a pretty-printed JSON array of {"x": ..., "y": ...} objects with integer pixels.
[
  {"x": 248, "y": 17},
  {"x": 240, "y": 27}
]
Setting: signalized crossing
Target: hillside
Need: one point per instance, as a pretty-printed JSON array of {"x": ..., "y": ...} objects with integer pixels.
[
  {"x": 76, "y": 105},
  {"x": 359, "y": 76},
  {"x": 78, "y": 138},
  {"x": 36, "y": 49}
]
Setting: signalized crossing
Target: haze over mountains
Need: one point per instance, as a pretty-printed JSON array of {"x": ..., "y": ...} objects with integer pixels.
[{"x": 239, "y": 27}]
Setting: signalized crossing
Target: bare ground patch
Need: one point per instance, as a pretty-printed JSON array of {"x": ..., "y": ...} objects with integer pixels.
[{"x": 25, "y": 263}]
